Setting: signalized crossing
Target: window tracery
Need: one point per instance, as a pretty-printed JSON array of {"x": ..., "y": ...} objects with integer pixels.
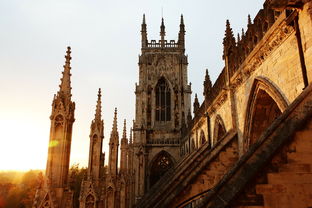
[{"x": 163, "y": 101}]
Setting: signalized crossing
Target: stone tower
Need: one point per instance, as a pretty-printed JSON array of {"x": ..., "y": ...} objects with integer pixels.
[
  {"x": 55, "y": 192},
  {"x": 162, "y": 105},
  {"x": 91, "y": 194}
]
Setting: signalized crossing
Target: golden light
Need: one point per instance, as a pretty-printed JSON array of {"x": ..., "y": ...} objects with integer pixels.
[{"x": 23, "y": 136}]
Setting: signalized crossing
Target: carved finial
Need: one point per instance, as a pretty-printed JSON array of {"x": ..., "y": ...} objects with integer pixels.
[
  {"x": 98, "y": 107},
  {"x": 162, "y": 31},
  {"x": 229, "y": 40},
  {"x": 144, "y": 33},
  {"x": 181, "y": 20},
  {"x": 249, "y": 20},
  {"x": 207, "y": 85},
  {"x": 124, "y": 133},
  {"x": 196, "y": 104},
  {"x": 238, "y": 37},
  {"x": 65, "y": 80}
]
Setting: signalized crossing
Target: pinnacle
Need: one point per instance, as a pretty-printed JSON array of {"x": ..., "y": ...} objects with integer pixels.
[
  {"x": 228, "y": 30},
  {"x": 143, "y": 19},
  {"x": 114, "y": 129},
  {"x": 130, "y": 137},
  {"x": 229, "y": 39},
  {"x": 207, "y": 84},
  {"x": 162, "y": 29},
  {"x": 98, "y": 107},
  {"x": 182, "y": 20},
  {"x": 249, "y": 20},
  {"x": 124, "y": 134},
  {"x": 65, "y": 87}
]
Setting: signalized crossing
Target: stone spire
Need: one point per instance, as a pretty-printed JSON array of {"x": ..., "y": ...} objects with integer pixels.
[
  {"x": 113, "y": 148},
  {"x": 65, "y": 88},
  {"x": 162, "y": 32},
  {"x": 96, "y": 157},
  {"x": 196, "y": 104},
  {"x": 207, "y": 85},
  {"x": 144, "y": 33},
  {"x": 98, "y": 111},
  {"x": 123, "y": 149},
  {"x": 130, "y": 136},
  {"x": 124, "y": 133},
  {"x": 229, "y": 40},
  {"x": 114, "y": 132},
  {"x": 181, "y": 40}
]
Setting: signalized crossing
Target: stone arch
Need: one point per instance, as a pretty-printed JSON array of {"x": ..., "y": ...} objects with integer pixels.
[
  {"x": 160, "y": 164},
  {"x": 90, "y": 201},
  {"x": 202, "y": 137},
  {"x": 264, "y": 105},
  {"x": 219, "y": 129}
]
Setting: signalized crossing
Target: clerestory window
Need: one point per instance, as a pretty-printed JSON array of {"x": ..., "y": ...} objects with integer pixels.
[{"x": 163, "y": 101}]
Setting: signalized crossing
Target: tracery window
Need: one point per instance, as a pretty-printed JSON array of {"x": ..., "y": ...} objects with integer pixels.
[
  {"x": 163, "y": 101},
  {"x": 161, "y": 164},
  {"x": 90, "y": 201}
]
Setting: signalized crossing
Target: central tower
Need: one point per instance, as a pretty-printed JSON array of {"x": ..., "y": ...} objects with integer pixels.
[{"x": 163, "y": 101}]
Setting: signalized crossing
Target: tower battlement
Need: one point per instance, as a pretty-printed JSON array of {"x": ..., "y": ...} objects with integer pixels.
[{"x": 163, "y": 43}]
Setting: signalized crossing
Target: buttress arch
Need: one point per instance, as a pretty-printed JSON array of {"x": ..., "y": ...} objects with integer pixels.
[
  {"x": 265, "y": 104},
  {"x": 159, "y": 165},
  {"x": 219, "y": 129}
]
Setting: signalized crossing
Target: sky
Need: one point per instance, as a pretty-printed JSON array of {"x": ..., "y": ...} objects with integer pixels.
[{"x": 105, "y": 41}]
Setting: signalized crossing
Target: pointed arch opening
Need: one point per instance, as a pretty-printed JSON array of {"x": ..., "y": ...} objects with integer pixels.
[
  {"x": 161, "y": 163},
  {"x": 163, "y": 101},
  {"x": 90, "y": 201},
  {"x": 202, "y": 137},
  {"x": 265, "y": 104},
  {"x": 219, "y": 129}
]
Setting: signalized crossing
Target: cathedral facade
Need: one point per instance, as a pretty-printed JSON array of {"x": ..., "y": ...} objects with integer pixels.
[{"x": 248, "y": 145}]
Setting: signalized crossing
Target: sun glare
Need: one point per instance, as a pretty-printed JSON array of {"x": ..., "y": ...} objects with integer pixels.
[{"x": 22, "y": 149}]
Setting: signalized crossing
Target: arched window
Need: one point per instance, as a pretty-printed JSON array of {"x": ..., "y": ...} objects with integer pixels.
[
  {"x": 90, "y": 201},
  {"x": 163, "y": 101},
  {"x": 161, "y": 163}
]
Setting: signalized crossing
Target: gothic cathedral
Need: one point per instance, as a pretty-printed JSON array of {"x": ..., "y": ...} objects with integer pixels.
[{"x": 248, "y": 144}]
